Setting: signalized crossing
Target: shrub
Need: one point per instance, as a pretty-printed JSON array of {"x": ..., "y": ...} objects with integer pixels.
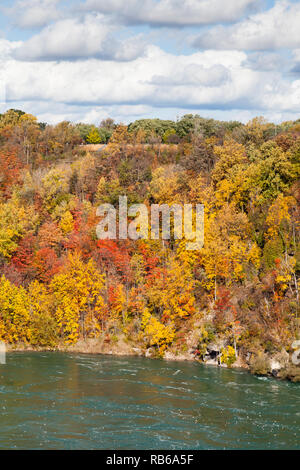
[
  {"x": 206, "y": 336},
  {"x": 228, "y": 356},
  {"x": 260, "y": 365},
  {"x": 291, "y": 373}
]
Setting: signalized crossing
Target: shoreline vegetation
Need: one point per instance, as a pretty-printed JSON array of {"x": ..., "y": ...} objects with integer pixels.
[
  {"x": 234, "y": 303},
  {"x": 277, "y": 367}
]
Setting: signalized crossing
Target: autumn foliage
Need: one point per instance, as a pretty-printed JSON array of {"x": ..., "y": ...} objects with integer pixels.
[{"x": 60, "y": 284}]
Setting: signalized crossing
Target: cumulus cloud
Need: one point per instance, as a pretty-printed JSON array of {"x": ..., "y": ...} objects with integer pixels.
[
  {"x": 267, "y": 61},
  {"x": 273, "y": 29},
  {"x": 193, "y": 75},
  {"x": 222, "y": 82},
  {"x": 79, "y": 69},
  {"x": 172, "y": 12},
  {"x": 30, "y": 14},
  {"x": 73, "y": 39},
  {"x": 124, "y": 83},
  {"x": 7, "y": 49}
]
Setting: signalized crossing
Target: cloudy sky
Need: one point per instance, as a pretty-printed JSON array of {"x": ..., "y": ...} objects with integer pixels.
[{"x": 84, "y": 60}]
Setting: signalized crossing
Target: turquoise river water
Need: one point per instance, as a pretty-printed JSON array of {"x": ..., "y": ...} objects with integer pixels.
[{"x": 75, "y": 401}]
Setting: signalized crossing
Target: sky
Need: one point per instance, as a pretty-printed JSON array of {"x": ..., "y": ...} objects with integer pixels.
[{"x": 86, "y": 60}]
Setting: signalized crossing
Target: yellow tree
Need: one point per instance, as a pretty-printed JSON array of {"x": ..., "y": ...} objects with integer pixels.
[
  {"x": 278, "y": 217},
  {"x": 14, "y": 313},
  {"x": 94, "y": 136},
  {"x": 171, "y": 292},
  {"x": 228, "y": 252},
  {"x": 55, "y": 187},
  {"x": 43, "y": 329},
  {"x": 155, "y": 332},
  {"x": 66, "y": 223},
  {"x": 163, "y": 186},
  {"x": 15, "y": 221},
  {"x": 78, "y": 301},
  {"x": 230, "y": 156}
]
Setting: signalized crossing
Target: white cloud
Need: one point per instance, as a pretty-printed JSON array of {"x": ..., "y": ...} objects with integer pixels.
[
  {"x": 105, "y": 82},
  {"x": 7, "y": 49},
  {"x": 273, "y": 29},
  {"x": 173, "y": 12},
  {"x": 268, "y": 61},
  {"x": 93, "y": 84},
  {"x": 193, "y": 75},
  {"x": 72, "y": 39},
  {"x": 30, "y": 14}
]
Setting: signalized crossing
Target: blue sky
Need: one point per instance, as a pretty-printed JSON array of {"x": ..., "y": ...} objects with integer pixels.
[{"x": 84, "y": 60}]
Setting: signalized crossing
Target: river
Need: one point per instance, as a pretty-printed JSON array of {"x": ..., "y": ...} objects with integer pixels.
[{"x": 75, "y": 401}]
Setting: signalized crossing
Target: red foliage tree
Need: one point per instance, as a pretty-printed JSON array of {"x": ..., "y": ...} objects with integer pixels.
[
  {"x": 10, "y": 167},
  {"x": 23, "y": 257},
  {"x": 46, "y": 264}
]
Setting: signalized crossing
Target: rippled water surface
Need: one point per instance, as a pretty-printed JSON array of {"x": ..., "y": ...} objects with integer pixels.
[{"x": 68, "y": 401}]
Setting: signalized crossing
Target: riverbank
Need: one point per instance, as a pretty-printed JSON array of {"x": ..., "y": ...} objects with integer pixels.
[{"x": 278, "y": 366}]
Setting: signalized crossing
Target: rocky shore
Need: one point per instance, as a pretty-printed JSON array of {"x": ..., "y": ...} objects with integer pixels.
[{"x": 278, "y": 365}]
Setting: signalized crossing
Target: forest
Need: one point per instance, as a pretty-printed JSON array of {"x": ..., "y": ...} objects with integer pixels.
[{"x": 235, "y": 302}]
